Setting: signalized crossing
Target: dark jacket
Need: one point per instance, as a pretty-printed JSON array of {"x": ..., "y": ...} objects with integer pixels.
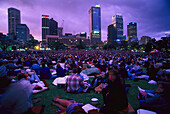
[
  {"x": 45, "y": 73},
  {"x": 114, "y": 97}
]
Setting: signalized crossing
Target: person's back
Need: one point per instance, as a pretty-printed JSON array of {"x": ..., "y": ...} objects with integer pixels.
[
  {"x": 17, "y": 98},
  {"x": 60, "y": 71},
  {"x": 45, "y": 72},
  {"x": 74, "y": 82},
  {"x": 35, "y": 66}
]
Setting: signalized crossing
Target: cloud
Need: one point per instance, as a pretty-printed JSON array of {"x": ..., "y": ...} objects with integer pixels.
[{"x": 152, "y": 17}]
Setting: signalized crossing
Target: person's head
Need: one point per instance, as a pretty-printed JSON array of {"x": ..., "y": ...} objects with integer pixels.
[
  {"x": 22, "y": 75},
  {"x": 79, "y": 70},
  {"x": 1, "y": 63},
  {"x": 43, "y": 64},
  {"x": 113, "y": 75},
  {"x": 160, "y": 87},
  {"x": 75, "y": 70},
  {"x": 58, "y": 65},
  {"x": 167, "y": 77}
]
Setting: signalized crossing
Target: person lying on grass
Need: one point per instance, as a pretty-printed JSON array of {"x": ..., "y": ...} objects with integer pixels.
[{"x": 71, "y": 107}]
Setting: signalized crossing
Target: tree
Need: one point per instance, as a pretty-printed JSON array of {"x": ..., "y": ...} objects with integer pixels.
[
  {"x": 94, "y": 46},
  {"x": 124, "y": 45},
  {"x": 81, "y": 45},
  {"x": 5, "y": 43},
  {"x": 110, "y": 45},
  {"x": 56, "y": 45},
  {"x": 134, "y": 45},
  {"x": 31, "y": 43}
]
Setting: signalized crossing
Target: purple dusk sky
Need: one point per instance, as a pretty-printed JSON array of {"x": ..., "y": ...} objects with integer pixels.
[{"x": 152, "y": 16}]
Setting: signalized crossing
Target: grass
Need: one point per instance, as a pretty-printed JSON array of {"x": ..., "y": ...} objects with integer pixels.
[{"x": 47, "y": 96}]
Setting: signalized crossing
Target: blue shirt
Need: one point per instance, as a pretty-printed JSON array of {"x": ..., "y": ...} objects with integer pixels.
[
  {"x": 60, "y": 72},
  {"x": 45, "y": 73}
]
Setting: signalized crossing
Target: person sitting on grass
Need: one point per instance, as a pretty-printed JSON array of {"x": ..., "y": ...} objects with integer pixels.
[
  {"x": 157, "y": 100},
  {"x": 114, "y": 95},
  {"x": 45, "y": 72},
  {"x": 36, "y": 67},
  {"x": 60, "y": 71},
  {"x": 18, "y": 96},
  {"x": 74, "y": 83}
]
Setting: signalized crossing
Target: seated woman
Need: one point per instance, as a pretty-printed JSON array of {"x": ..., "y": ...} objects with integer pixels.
[
  {"x": 114, "y": 95},
  {"x": 60, "y": 71},
  {"x": 156, "y": 100}
]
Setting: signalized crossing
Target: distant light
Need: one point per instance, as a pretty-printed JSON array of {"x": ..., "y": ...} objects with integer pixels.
[
  {"x": 98, "y": 6},
  {"x": 133, "y": 23},
  {"x": 45, "y": 16},
  {"x": 83, "y": 32},
  {"x": 96, "y": 32},
  {"x": 128, "y": 24},
  {"x": 118, "y": 40}
]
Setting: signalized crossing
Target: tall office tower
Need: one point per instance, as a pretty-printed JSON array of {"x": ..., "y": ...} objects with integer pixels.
[
  {"x": 117, "y": 21},
  {"x": 95, "y": 24},
  {"x": 13, "y": 20},
  {"x": 45, "y": 28},
  {"x": 111, "y": 36},
  {"x": 60, "y": 31},
  {"x": 23, "y": 32},
  {"x": 53, "y": 27},
  {"x": 131, "y": 30}
]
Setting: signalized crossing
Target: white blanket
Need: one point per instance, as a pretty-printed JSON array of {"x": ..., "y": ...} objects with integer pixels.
[{"x": 59, "y": 80}]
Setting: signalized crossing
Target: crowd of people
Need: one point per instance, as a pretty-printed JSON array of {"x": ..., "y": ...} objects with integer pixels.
[{"x": 110, "y": 70}]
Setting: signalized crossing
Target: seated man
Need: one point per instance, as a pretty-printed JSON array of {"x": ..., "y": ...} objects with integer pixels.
[
  {"x": 74, "y": 83},
  {"x": 18, "y": 97}
]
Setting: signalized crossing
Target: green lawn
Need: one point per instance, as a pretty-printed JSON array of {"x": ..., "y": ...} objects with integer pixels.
[{"x": 47, "y": 96}]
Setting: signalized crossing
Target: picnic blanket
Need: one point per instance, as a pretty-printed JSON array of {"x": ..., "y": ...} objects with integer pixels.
[{"x": 90, "y": 71}]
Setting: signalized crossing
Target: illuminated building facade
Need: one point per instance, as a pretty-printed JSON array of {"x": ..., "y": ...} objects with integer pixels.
[
  {"x": 45, "y": 28},
  {"x": 23, "y": 32},
  {"x": 95, "y": 24},
  {"x": 111, "y": 36},
  {"x": 13, "y": 20},
  {"x": 117, "y": 21},
  {"x": 131, "y": 31},
  {"x": 53, "y": 27}
]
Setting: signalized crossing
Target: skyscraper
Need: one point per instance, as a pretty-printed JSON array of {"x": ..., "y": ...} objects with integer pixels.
[
  {"x": 60, "y": 31},
  {"x": 95, "y": 24},
  {"x": 23, "y": 32},
  {"x": 131, "y": 30},
  {"x": 45, "y": 28},
  {"x": 111, "y": 34},
  {"x": 53, "y": 27},
  {"x": 13, "y": 20},
  {"x": 117, "y": 21}
]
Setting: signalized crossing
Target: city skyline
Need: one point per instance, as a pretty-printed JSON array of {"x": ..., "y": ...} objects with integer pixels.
[{"x": 151, "y": 16}]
